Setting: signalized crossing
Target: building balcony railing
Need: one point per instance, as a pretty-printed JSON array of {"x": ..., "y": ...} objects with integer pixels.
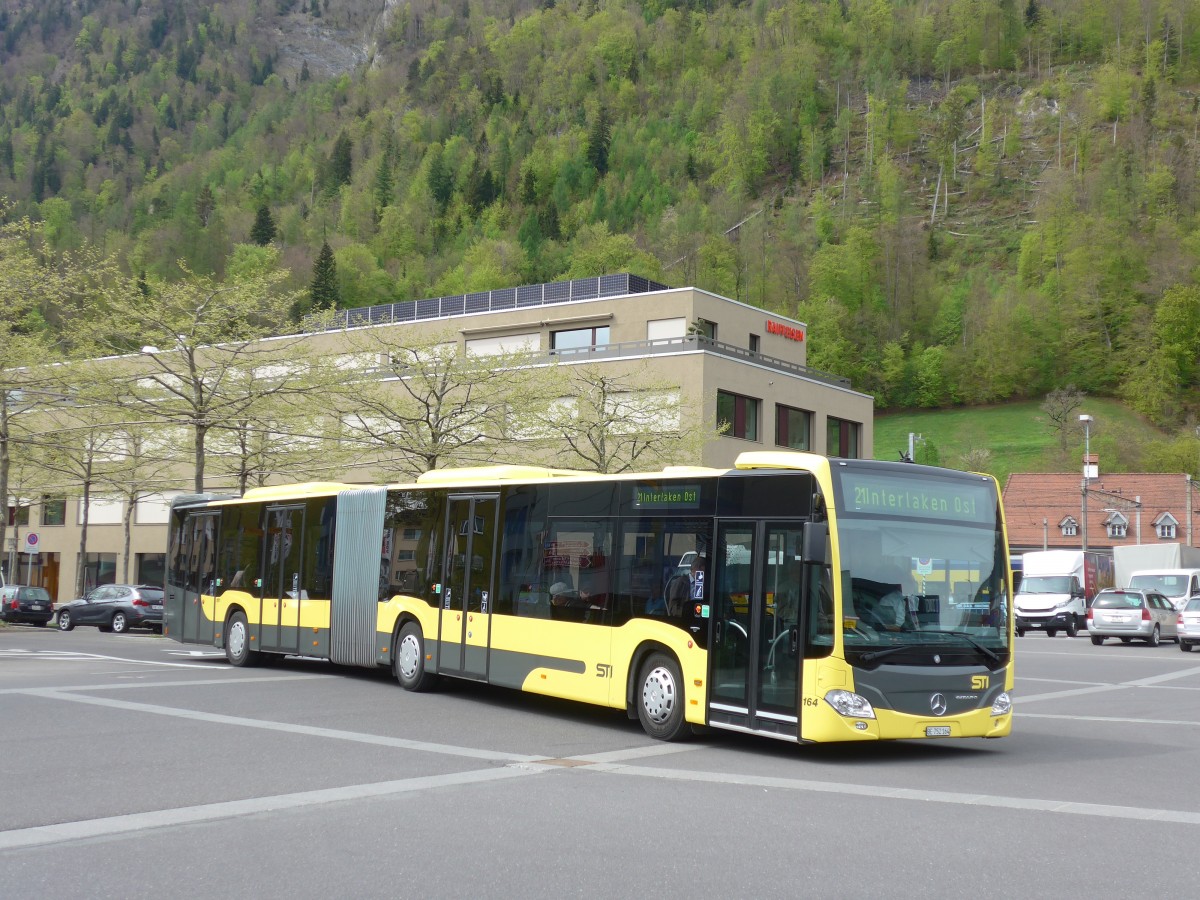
[
  {"x": 693, "y": 342},
  {"x": 499, "y": 300}
]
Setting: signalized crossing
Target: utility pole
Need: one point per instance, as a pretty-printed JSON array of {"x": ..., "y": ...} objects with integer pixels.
[{"x": 1083, "y": 488}]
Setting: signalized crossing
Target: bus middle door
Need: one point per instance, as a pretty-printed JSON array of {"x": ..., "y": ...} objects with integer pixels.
[
  {"x": 754, "y": 649},
  {"x": 282, "y": 583},
  {"x": 467, "y": 588}
]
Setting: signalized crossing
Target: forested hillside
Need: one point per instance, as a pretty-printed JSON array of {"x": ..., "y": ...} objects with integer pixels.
[{"x": 967, "y": 200}]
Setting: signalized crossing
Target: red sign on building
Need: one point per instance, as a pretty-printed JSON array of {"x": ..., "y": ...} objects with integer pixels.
[{"x": 788, "y": 331}]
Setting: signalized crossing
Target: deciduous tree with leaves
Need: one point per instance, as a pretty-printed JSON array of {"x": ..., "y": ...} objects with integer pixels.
[{"x": 198, "y": 358}]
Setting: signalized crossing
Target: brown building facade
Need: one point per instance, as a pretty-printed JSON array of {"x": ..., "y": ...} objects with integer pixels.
[{"x": 748, "y": 365}]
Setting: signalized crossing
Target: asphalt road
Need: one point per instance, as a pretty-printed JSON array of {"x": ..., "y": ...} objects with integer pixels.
[{"x": 137, "y": 767}]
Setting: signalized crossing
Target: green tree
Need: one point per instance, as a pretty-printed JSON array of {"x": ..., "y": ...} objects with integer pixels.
[
  {"x": 263, "y": 231},
  {"x": 599, "y": 140},
  {"x": 201, "y": 343},
  {"x": 323, "y": 289},
  {"x": 340, "y": 164}
]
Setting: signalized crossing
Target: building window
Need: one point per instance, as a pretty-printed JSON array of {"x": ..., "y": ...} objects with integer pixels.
[
  {"x": 580, "y": 338},
  {"x": 792, "y": 427},
  {"x": 18, "y": 515},
  {"x": 54, "y": 511},
  {"x": 666, "y": 329},
  {"x": 151, "y": 568},
  {"x": 102, "y": 511},
  {"x": 1117, "y": 525},
  {"x": 841, "y": 438},
  {"x": 754, "y": 343},
  {"x": 508, "y": 343},
  {"x": 704, "y": 329},
  {"x": 1069, "y": 527},
  {"x": 739, "y": 414},
  {"x": 99, "y": 568},
  {"x": 1165, "y": 526}
]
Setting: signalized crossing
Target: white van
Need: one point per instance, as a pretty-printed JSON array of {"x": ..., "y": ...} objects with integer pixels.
[{"x": 1177, "y": 585}]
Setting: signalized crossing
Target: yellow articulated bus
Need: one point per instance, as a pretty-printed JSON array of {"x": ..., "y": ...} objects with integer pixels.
[{"x": 793, "y": 596}]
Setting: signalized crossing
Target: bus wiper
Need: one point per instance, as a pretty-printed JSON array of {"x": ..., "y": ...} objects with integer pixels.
[
  {"x": 974, "y": 643},
  {"x": 886, "y": 651}
]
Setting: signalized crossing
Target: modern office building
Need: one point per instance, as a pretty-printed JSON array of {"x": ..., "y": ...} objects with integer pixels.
[{"x": 748, "y": 366}]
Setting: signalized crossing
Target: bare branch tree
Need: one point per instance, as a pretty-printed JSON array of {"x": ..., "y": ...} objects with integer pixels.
[
  {"x": 620, "y": 419},
  {"x": 1059, "y": 408},
  {"x": 430, "y": 405}
]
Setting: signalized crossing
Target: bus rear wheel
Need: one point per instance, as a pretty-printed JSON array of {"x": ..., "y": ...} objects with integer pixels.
[
  {"x": 237, "y": 642},
  {"x": 408, "y": 662},
  {"x": 660, "y": 698}
]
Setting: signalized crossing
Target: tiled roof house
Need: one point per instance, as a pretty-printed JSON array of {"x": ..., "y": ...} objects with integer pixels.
[{"x": 1045, "y": 510}]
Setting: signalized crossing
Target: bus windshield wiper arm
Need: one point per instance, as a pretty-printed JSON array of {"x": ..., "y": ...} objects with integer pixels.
[{"x": 886, "y": 651}]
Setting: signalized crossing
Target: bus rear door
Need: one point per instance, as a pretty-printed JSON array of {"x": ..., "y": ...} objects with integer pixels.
[
  {"x": 467, "y": 588},
  {"x": 754, "y": 649}
]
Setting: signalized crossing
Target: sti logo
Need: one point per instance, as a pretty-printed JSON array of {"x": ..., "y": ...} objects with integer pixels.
[{"x": 979, "y": 682}]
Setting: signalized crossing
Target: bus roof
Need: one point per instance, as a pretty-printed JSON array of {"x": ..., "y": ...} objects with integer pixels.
[
  {"x": 776, "y": 459},
  {"x": 472, "y": 474},
  {"x": 308, "y": 489}
]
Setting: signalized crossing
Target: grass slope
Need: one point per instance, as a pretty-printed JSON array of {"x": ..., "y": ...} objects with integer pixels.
[{"x": 1017, "y": 436}]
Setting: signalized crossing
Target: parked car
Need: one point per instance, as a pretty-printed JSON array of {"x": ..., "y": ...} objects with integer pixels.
[
  {"x": 1188, "y": 623},
  {"x": 1129, "y": 614},
  {"x": 19, "y": 603},
  {"x": 115, "y": 607}
]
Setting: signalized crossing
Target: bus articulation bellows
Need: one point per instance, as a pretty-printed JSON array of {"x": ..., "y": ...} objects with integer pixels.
[{"x": 793, "y": 596}]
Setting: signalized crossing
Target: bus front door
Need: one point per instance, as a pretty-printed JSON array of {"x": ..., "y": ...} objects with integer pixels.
[
  {"x": 198, "y": 559},
  {"x": 467, "y": 586},
  {"x": 754, "y": 649},
  {"x": 282, "y": 583}
]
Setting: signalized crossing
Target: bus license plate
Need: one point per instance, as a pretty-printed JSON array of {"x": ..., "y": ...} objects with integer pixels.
[{"x": 937, "y": 731}]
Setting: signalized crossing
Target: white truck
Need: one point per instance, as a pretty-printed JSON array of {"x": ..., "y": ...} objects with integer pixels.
[
  {"x": 1171, "y": 569},
  {"x": 1056, "y": 588}
]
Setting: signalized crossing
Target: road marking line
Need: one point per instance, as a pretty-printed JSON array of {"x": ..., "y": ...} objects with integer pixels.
[
  {"x": 39, "y": 835},
  {"x": 265, "y": 724},
  {"x": 1119, "y": 719},
  {"x": 1182, "y": 817},
  {"x": 1150, "y": 681}
]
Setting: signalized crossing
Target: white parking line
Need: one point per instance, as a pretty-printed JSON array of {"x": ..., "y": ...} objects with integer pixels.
[
  {"x": 1115, "y": 719},
  {"x": 95, "y": 828},
  {"x": 1149, "y": 681}
]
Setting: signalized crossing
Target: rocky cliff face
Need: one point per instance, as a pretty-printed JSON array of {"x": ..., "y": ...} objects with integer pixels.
[{"x": 340, "y": 41}]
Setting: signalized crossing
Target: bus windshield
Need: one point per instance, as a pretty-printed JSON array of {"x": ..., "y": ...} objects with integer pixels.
[{"x": 923, "y": 569}]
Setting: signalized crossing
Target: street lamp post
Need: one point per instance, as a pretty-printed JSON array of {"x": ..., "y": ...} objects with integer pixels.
[{"x": 1087, "y": 453}]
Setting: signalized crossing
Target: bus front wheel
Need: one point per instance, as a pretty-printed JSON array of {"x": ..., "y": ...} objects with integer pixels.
[
  {"x": 660, "y": 698},
  {"x": 237, "y": 642},
  {"x": 408, "y": 663}
]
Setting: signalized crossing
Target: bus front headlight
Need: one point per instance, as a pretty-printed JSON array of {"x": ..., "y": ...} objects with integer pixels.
[
  {"x": 1002, "y": 705},
  {"x": 850, "y": 705}
]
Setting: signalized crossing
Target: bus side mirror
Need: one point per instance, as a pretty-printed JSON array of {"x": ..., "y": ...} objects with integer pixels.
[{"x": 815, "y": 540}]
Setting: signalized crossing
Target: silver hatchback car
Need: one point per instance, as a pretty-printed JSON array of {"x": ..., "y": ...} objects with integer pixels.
[
  {"x": 1129, "y": 614},
  {"x": 1188, "y": 622}
]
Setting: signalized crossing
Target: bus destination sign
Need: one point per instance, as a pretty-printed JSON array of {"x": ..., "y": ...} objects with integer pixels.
[
  {"x": 921, "y": 498},
  {"x": 666, "y": 496}
]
